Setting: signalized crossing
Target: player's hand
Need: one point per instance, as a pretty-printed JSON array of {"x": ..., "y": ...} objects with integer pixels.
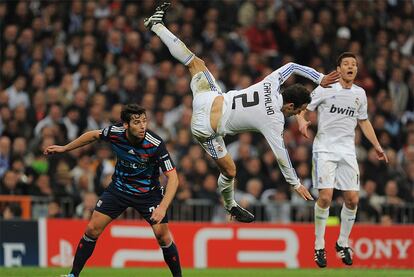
[
  {"x": 303, "y": 128},
  {"x": 329, "y": 79},
  {"x": 303, "y": 192},
  {"x": 381, "y": 154},
  {"x": 53, "y": 149},
  {"x": 158, "y": 214}
]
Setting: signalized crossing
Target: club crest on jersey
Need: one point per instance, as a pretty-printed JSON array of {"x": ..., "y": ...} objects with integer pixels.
[{"x": 357, "y": 101}]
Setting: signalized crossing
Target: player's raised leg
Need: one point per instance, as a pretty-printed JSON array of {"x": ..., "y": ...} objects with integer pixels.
[
  {"x": 348, "y": 215},
  {"x": 177, "y": 48},
  {"x": 87, "y": 243},
  {"x": 320, "y": 217},
  {"x": 169, "y": 249}
]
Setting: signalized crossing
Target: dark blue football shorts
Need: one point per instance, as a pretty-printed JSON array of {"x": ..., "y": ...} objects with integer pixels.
[{"x": 113, "y": 204}]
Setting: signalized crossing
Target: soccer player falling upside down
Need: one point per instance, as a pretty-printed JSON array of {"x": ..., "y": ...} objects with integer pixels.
[{"x": 259, "y": 108}]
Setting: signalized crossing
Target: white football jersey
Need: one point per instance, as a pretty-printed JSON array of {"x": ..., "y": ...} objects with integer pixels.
[
  {"x": 339, "y": 110},
  {"x": 258, "y": 109}
]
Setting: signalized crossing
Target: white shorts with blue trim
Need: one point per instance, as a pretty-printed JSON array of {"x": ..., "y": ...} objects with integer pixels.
[
  {"x": 205, "y": 90},
  {"x": 336, "y": 171}
]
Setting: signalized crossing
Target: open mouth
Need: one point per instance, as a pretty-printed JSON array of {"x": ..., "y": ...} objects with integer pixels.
[{"x": 350, "y": 73}]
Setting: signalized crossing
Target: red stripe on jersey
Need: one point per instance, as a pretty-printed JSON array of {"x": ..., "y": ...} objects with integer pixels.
[
  {"x": 140, "y": 188},
  {"x": 149, "y": 145}
]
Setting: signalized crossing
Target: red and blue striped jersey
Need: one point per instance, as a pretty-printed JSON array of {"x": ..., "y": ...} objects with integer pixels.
[{"x": 137, "y": 169}]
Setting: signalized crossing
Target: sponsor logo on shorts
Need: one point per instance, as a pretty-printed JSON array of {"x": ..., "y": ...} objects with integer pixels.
[{"x": 99, "y": 203}]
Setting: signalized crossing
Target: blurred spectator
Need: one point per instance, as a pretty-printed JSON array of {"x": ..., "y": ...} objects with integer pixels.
[
  {"x": 54, "y": 210},
  {"x": 12, "y": 211},
  {"x": 17, "y": 95},
  {"x": 4, "y": 154},
  {"x": 85, "y": 209}
]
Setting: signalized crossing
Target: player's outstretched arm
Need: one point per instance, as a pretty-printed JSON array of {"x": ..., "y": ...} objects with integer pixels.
[
  {"x": 369, "y": 133},
  {"x": 171, "y": 188},
  {"x": 284, "y": 72},
  {"x": 83, "y": 140},
  {"x": 274, "y": 137}
]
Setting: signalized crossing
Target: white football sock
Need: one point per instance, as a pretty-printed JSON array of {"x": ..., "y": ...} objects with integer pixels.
[
  {"x": 177, "y": 48},
  {"x": 226, "y": 188},
  {"x": 321, "y": 215},
  {"x": 347, "y": 221}
]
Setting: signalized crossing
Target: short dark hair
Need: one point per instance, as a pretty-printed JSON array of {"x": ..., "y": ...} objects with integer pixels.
[
  {"x": 296, "y": 94},
  {"x": 343, "y": 56},
  {"x": 129, "y": 110}
]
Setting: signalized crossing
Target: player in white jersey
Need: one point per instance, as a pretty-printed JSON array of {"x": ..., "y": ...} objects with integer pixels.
[
  {"x": 260, "y": 108},
  {"x": 340, "y": 109}
]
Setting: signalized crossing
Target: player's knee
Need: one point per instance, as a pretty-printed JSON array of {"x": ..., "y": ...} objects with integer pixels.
[
  {"x": 93, "y": 231},
  {"x": 324, "y": 201},
  {"x": 196, "y": 65},
  {"x": 352, "y": 203},
  {"x": 229, "y": 172},
  {"x": 163, "y": 238}
]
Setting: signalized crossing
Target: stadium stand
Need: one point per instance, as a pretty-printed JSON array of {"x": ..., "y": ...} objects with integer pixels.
[{"x": 67, "y": 67}]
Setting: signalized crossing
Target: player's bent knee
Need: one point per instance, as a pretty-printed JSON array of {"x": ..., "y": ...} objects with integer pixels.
[
  {"x": 93, "y": 231},
  {"x": 229, "y": 172},
  {"x": 163, "y": 238}
]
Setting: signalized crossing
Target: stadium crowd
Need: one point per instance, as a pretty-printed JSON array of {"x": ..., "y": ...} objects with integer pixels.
[{"x": 67, "y": 67}]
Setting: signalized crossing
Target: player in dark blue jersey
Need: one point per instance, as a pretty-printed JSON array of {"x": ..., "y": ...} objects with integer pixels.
[{"x": 135, "y": 183}]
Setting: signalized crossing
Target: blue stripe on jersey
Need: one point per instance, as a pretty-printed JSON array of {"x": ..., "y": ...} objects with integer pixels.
[
  {"x": 210, "y": 81},
  {"x": 289, "y": 69},
  {"x": 188, "y": 59},
  {"x": 311, "y": 73}
]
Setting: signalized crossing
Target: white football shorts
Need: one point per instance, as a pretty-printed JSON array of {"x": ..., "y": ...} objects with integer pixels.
[
  {"x": 205, "y": 90},
  {"x": 336, "y": 171}
]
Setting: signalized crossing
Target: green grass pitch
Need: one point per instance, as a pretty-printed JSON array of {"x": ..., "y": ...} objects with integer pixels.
[{"x": 152, "y": 272}]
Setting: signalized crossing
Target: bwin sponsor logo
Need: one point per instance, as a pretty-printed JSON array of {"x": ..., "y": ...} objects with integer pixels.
[{"x": 346, "y": 111}]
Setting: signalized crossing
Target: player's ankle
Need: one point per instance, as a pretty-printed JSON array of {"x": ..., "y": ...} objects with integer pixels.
[{"x": 230, "y": 205}]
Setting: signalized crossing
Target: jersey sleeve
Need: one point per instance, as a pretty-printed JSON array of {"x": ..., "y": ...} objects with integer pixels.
[
  {"x": 105, "y": 133},
  {"x": 164, "y": 158},
  {"x": 283, "y": 73},
  {"x": 274, "y": 137},
  {"x": 317, "y": 98},
  {"x": 363, "y": 108}
]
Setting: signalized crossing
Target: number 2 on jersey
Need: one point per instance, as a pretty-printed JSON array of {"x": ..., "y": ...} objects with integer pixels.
[{"x": 246, "y": 103}]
